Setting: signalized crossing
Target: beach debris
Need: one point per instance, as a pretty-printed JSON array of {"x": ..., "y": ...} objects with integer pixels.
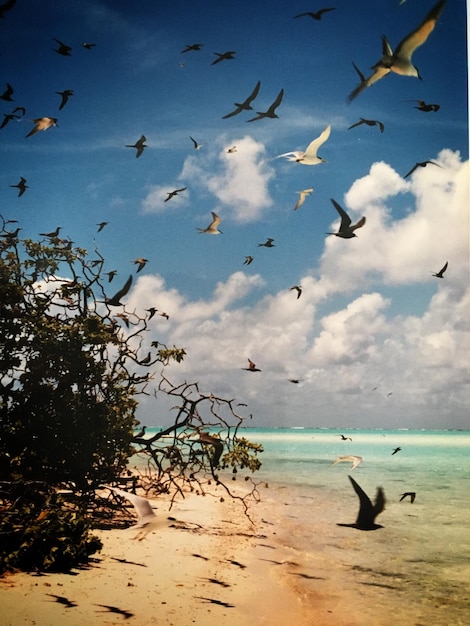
[
  {"x": 355, "y": 460},
  {"x": 367, "y": 511}
]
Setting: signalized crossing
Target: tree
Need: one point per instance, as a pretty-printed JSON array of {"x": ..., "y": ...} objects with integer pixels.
[{"x": 73, "y": 362}]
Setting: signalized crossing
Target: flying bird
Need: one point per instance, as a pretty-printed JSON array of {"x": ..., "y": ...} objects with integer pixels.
[
  {"x": 246, "y": 104},
  {"x": 302, "y": 195},
  {"x": 396, "y": 450},
  {"x": 344, "y": 438},
  {"x": 369, "y": 123},
  {"x": 146, "y": 517},
  {"x": 351, "y": 458},
  {"x": 21, "y": 186},
  {"x": 399, "y": 61},
  {"x": 63, "y": 49},
  {"x": 6, "y": 6},
  {"x": 141, "y": 262},
  {"x": 101, "y": 225},
  {"x": 423, "y": 106},
  {"x": 271, "y": 111},
  {"x": 346, "y": 230},
  {"x": 309, "y": 157},
  {"x": 65, "y": 97},
  {"x": 410, "y": 494},
  {"x": 88, "y": 46},
  {"x": 192, "y": 47},
  {"x": 251, "y": 367},
  {"x": 223, "y": 56},
  {"x": 115, "y": 300},
  {"x": 367, "y": 511},
  {"x": 421, "y": 164},
  {"x": 139, "y": 145},
  {"x": 248, "y": 260},
  {"x": 213, "y": 228},
  {"x": 439, "y": 274},
  {"x": 197, "y": 146},
  {"x": 232, "y": 150},
  {"x": 297, "y": 288},
  {"x": 317, "y": 15},
  {"x": 53, "y": 233},
  {"x": 8, "y": 117},
  {"x": 267, "y": 244},
  {"x": 175, "y": 192},
  {"x": 111, "y": 275},
  {"x": 7, "y": 94},
  {"x": 42, "y": 123}
]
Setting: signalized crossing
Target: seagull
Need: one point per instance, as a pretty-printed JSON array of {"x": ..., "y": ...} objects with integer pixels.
[
  {"x": 439, "y": 274},
  {"x": 248, "y": 260},
  {"x": 271, "y": 111},
  {"x": 6, "y": 6},
  {"x": 251, "y": 367},
  {"x": 421, "y": 164},
  {"x": 22, "y": 186},
  {"x": 317, "y": 15},
  {"x": 309, "y": 157},
  {"x": 298, "y": 288},
  {"x": 175, "y": 192},
  {"x": 246, "y": 104},
  {"x": 141, "y": 263},
  {"x": 192, "y": 47},
  {"x": 63, "y": 49},
  {"x": 267, "y": 244},
  {"x": 396, "y": 450},
  {"x": 88, "y": 46},
  {"x": 197, "y": 146},
  {"x": 101, "y": 225},
  {"x": 369, "y": 123},
  {"x": 213, "y": 228},
  {"x": 423, "y": 106},
  {"x": 146, "y": 517},
  {"x": 42, "y": 123},
  {"x": 302, "y": 195},
  {"x": 367, "y": 511},
  {"x": 344, "y": 438},
  {"x": 65, "y": 96},
  {"x": 411, "y": 494},
  {"x": 7, "y": 94},
  {"x": 139, "y": 146},
  {"x": 114, "y": 301},
  {"x": 346, "y": 231},
  {"x": 223, "y": 56},
  {"x": 400, "y": 60},
  {"x": 355, "y": 460}
]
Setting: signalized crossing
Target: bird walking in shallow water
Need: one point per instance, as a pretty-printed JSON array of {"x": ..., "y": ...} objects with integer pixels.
[{"x": 346, "y": 230}]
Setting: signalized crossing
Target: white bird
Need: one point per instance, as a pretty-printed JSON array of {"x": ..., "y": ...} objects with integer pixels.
[
  {"x": 147, "y": 520},
  {"x": 212, "y": 229},
  {"x": 400, "y": 60},
  {"x": 302, "y": 195},
  {"x": 309, "y": 157},
  {"x": 355, "y": 460}
]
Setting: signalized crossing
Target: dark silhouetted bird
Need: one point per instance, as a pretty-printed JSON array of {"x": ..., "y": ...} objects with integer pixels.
[
  {"x": 7, "y": 94},
  {"x": 65, "y": 97},
  {"x": 246, "y": 104},
  {"x": 317, "y": 15},
  {"x": 267, "y": 244},
  {"x": 440, "y": 273},
  {"x": 53, "y": 233},
  {"x": 369, "y": 123},
  {"x": 248, "y": 260},
  {"x": 223, "y": 56},
  {"x": 139, "y": 145},
  {"x": 115, "y": 609},
  {"x": 115, "y": 300},
  {"x": 175, "y": 192},
  {"x": 21, "y": 186},
  {"x": 367, "y": 511},
  {"x": 423, "y": 106},
  {"x": 411, "y": 494},
  {"x": 141, "y": 262},
  {"x": 193, "y": 47},
  {"x": 344, "y": 438},
  {"x": 88, "y": 46},
  {"x": 346, "y": 230},
  {"x": 297, "y": 288},
  {"x": 63, "y": 49},
  {"x": 69, "y": 604},
  {"x": 271, "y": 112},
  {"x": 218, "y": 446},
  {"x": 251, "y": 367},
  {"x": 421, "y": 164},
  {"x": 197, "y": 146},
  {"x": 396, "y": 450},
  {"x": 101, "y": 225}
]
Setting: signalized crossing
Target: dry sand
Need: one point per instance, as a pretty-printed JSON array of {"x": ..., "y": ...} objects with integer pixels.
[{"x": 213, "y": 566}]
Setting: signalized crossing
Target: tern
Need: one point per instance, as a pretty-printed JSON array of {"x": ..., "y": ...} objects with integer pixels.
[
  {"x": 297, "y": 288},
  {"x": 369, "y": 123},
  {"x": 21, "y": 186},
  {"x": 193, "y": 47},
  {"x": 355, "y": 460},
  {"x": 302, "y": 195},
  {"x": 42, "y": 123},
  {"x": 421, "y": 164},
  {"x": 346, "y": 230},
  {"x": 101, "y": 225},
  {"x": 139, "y": 145},
  {"x": 53, "y": 233},
  {"x": 399, "y": 61},
  {"x": 267, "y": 244},
  {"x": 367, "y": 511},
  {"x": 7, "y": 94},
  {"x": 246, "y": 104},
  {"x": 248, "y": 260},
  {"x": 213, "y": 228},
  {"x": 197, "y": 146},
  {"x": 424, "y": 106},
  {"x": 146, "y": 517},
  {"x": 309, "y": 157},
  {"x": 223, "y": 56},
  {"x": 65, "y": 96},
  {"x": 271, "y": 111},
  {"x": 63, "y": 49},
  {"x": 317, "y": 15},
  {"x": 88, "y": 46},
  {"x": 396, "y": 450},
  {"x": 141, "y": 263},
  {"x": 439, "y": 274},
  {"x": 8, "y": 117},
  {"x": 115, "y": 300},
  {"x": 175, "y": 192},
  {"x": 251, "y": 367}
]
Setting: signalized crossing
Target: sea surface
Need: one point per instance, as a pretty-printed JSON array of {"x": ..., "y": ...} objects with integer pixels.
[{"x": 415, "y": 570}]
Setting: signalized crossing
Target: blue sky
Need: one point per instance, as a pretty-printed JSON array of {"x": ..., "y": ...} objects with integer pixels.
[{"x": 370, "y": 315}]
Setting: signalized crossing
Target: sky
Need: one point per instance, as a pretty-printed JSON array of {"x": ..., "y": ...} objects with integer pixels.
[{"x": 374, "y": 340}]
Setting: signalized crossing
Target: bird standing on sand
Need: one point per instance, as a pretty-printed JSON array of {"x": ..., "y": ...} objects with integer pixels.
[
  {"x": 439, "y": 274},
  {"x": 251, "y": 367},
  {"x": 42, "y": 123},
  {"x": 139, "y": 145},
  {"x": 21, "y": 186},
  {"x": 399, "y": 61},
  {"x": 302, "y": 195},
  {"x": 309, "y": 157},
  {"x": 369, "y": 123},
  {"x": 367, "y": 511},
  {"x": 351, "y": 458},
  {"x": 271, "y": 112},
  {"x": 246, "y": 104},
  {"x": 213, "y": 228},
  {"x": 346, "y": 230}
]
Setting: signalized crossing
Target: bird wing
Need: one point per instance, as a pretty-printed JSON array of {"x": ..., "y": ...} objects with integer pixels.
[
  {"x": 232, "y": 113},
  {"x": 356, "y": 124},
  {"x": 366, "y": 513},
  {"x": 379, "y": 72},
  {"x": 312, "y": 148},
  {"x": 122, "y": 292},
  {"x": 276, "y": 102},
  {"x": 379, "y": 504},
  {"x": 141, "y": 505},
  {"x": 253, "y": 94},
  {"x": 359, "y": 224},
  {"x": 411, "y": 170},
  {"x": 215, "y": 222},
  {"x": 345, "y": 219},
  {"x": 417, "y": 37}
]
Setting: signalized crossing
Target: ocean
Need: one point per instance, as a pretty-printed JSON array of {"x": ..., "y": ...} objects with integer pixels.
[{"x": 415, "y": 570}]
